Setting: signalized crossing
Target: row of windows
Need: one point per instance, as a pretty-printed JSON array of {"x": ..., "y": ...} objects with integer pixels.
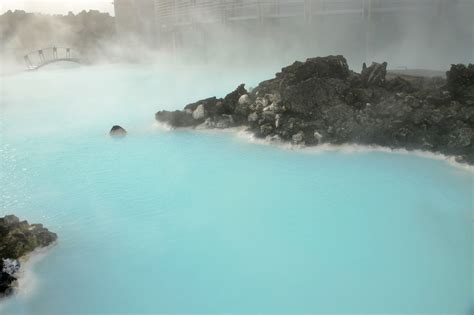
[
  {"x": 168, "y": 13},
  {"x": 176, "y": 11}
]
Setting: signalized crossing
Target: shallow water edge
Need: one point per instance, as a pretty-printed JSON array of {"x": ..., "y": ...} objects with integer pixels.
[{"x": 242, "y": 133}]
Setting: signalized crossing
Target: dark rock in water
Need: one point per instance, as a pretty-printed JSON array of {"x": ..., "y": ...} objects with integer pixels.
[
  {"x": 117, "y": 131},
  {"x": 17, "y": 239},
  {"x": 322, "y": 101}
]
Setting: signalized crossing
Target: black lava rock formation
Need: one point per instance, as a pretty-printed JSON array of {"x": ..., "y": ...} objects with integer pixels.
[{"x": 323, "y": 101}]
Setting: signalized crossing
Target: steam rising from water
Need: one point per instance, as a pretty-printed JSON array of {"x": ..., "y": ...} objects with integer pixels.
[
  {"x": 58, "y": 121},
  {"x": 432, "y": 38}
]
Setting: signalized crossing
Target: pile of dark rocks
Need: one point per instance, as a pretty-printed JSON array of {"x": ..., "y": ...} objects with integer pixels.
[
  {"x": 323, "y": 101},
  {"x": 17, "y": 239}
]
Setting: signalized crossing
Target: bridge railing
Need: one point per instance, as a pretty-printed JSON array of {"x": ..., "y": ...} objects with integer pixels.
[{"x": 40, "y": 57}]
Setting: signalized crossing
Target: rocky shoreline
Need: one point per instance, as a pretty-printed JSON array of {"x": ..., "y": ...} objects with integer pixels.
[
  {"x": 18, "y": 239},
  {"x": 321, "y": 101}
]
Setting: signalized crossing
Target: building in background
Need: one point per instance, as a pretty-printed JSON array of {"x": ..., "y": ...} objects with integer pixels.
[
  {"x": 366, "y": 26},
  {"x": 136, "y": 20}
]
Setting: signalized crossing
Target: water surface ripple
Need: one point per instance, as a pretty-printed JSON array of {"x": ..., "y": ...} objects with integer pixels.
[{"x": 195, "y": 222}]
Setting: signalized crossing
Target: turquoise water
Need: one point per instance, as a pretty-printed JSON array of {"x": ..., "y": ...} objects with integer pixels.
[{"x": 201, "y": 222}]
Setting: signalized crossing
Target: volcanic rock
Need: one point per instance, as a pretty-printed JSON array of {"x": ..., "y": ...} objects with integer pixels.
[
  {"x": 461, "y": 82},
  {"x": 322, "y": 101},
  {"x": 17, "y": 239},
  {"x": 374, "y": 75},
  {"x": 118, "y": 131}
]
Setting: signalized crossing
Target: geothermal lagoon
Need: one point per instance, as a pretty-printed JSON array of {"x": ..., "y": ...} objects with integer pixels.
[{"x": 182, "y": 221}]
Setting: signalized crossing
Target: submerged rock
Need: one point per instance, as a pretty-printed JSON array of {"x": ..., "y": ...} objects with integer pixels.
[
  {"x": 17, "y": 239},
  {"x": 322, "y": 101},
  {"x": 117, "y": 131}
]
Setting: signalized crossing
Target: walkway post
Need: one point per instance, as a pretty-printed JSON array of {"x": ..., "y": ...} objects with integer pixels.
[
  {"x": 29, "y": 65},
  {"x": 41, "y": 55}
]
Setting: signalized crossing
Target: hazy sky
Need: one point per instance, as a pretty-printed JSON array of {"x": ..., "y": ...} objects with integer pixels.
[{"x": 56, "y": 6}]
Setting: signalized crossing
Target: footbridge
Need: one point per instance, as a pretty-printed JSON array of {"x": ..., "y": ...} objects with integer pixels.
[{"x": 45, "y": 56}]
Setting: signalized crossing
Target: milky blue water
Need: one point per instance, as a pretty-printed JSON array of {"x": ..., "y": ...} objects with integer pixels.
[{"x": 197, "y": 222}]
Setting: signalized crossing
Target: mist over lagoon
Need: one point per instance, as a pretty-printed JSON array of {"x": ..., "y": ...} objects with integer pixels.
[{"x": 209, "y": 220}]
